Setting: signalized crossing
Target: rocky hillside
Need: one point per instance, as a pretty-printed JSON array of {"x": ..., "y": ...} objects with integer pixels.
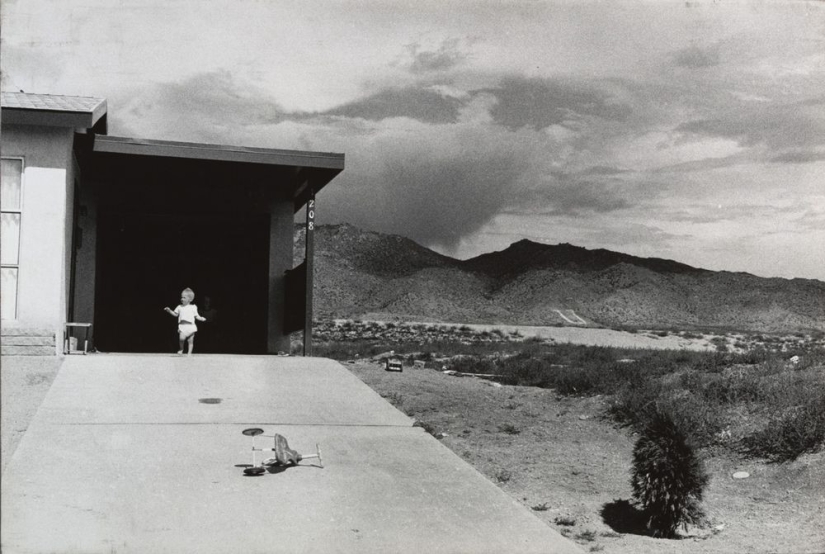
[{"x": 362, "y": 274}]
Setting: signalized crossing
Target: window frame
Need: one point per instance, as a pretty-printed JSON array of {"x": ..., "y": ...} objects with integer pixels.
[{"x": 19, "y": 211}]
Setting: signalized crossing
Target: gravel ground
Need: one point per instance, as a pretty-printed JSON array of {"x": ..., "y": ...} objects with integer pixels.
[{"x": 24, "y": 382}]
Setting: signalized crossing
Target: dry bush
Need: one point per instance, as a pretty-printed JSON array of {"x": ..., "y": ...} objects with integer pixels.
[
  {"x": 668, "y": 477},
  {"x": 797, "y": 430}
]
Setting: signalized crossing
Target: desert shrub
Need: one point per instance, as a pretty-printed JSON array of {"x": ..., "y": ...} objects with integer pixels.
[
  {"x": 509, "y": 429},
  {"x": 712, "y": 362},
  {"x": 564, "y": 521},
  {"x": 394, "y": 398},
  {"x": 730, "y": 387},
  {"x": 503, "y": 475},
  {"x": 571, "y": 381},
  {"x": 700, "y": 420},
  {"x": 586, "y": 536},
  {"x": 753, "y": 356},
  {"x": 787, "y": 436},
  {"x": 428, "y": 427},
  {"x": 524, "y": 370},
  {"x": 636, "y": 405},
  {"x": 668, "y": 477},
  {"x": 473, "y": 364},
  {"x": 347, "y": 350}
]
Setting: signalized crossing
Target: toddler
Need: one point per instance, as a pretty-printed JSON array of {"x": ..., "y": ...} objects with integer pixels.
[{"x": 187, "y": 314}]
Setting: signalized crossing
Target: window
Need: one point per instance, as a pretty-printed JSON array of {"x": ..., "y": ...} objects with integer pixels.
[{"x": 11, "y": 196}]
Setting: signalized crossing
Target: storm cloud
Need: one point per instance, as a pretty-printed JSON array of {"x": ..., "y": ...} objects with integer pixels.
[
  {"x": 539, "y": 103},
  {"x": 423, "y": 104},
  {"x": 434, "y": 184}
]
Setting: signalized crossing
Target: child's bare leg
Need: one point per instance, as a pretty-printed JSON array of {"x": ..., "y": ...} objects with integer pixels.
[
  {"x": 191, "y": 343},
  {"x": 180, "y": 344}
]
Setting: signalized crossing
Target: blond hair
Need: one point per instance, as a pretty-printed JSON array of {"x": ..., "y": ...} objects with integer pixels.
[{"x": 189, "y": 293}]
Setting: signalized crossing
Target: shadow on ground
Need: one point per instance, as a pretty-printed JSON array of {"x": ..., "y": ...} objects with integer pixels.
[{"x": 624, "y": 517}]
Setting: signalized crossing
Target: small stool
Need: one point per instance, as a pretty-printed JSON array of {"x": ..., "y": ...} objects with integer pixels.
[{"x": 67, "y": 341}]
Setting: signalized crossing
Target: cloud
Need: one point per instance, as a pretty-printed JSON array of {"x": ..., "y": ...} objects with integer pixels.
[
  {"x": 778, "y": 126},
  {"x": 799, "y": 157},
  {"x": 435, "y": 184},
  {"x": 539, "y": 103},
  {"x": 575, "y": 200},
  {"x": 424, "y": 104},
  {"x": 447, "y": 56},
  {"x": 694, "y": 57},
  {"x": 207, "y": 107},
  {"x": 603, "y": 170}
]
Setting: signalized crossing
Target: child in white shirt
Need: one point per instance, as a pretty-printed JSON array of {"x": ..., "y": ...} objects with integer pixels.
[{"x": 187, "y": 314}]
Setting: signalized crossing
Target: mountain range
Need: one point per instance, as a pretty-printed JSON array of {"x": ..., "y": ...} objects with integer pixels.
[{"x": 368, "y": 275}]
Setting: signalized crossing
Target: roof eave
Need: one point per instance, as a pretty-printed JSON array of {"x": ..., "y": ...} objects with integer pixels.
[
  {"x": 200, "y": 151},
  {"x": 94, "y": 119}
]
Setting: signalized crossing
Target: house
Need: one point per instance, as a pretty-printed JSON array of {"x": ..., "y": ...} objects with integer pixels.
[{"x": 107, "y": 230}]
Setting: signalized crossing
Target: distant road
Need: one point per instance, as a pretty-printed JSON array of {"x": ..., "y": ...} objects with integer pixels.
[
  {"x": 598, "y": 337},
  {"x": 580, "y": 335},
  {"x": 571, "y": 317}
]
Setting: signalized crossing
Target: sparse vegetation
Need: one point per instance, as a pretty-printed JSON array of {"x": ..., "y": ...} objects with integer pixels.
[
  {"x": 798, "y": 430},
  {"x": 564, "y": 449},
  {"x": 773, "y": 385}
]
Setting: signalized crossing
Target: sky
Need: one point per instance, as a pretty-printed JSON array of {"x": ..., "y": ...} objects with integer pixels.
[{"x": 692, "y": 131}]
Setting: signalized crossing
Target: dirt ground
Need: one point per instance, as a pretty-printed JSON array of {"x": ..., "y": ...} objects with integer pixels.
[{"x": 558, "y": 457}]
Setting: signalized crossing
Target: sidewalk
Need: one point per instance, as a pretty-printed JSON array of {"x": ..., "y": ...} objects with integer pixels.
[{"x": 123, "y": 456}]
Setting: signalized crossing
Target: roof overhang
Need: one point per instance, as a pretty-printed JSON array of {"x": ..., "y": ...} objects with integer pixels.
[
  {"x": 201, "y": 151},
  {"x": 299, "y": 173},
  {"x": 74, "y": 112}
]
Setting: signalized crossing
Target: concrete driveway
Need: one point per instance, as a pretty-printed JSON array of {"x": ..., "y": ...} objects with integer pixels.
[{"x": 140, "y": 453}]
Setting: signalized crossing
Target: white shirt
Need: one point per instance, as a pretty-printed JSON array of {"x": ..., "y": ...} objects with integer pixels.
[{"x": 187, "y": 314}]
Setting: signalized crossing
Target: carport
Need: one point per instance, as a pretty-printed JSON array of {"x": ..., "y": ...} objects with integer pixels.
[{"x": 153, "y": 217}]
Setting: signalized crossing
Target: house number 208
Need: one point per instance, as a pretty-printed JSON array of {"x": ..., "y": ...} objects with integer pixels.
[{"x": 311, "y": 215}]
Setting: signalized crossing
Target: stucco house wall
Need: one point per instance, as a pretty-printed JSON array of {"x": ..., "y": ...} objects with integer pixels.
[{"x": 49, "y": 170}]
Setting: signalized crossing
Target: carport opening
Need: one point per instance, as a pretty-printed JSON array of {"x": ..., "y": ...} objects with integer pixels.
[{"x": 145, "y": 260}]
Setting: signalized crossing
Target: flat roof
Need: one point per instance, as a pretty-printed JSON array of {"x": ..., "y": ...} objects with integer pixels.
[
  {"x": 216, "y": 152},
  {"x": 78, "y": 112},
  {"x": 298, "y": 173}
]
